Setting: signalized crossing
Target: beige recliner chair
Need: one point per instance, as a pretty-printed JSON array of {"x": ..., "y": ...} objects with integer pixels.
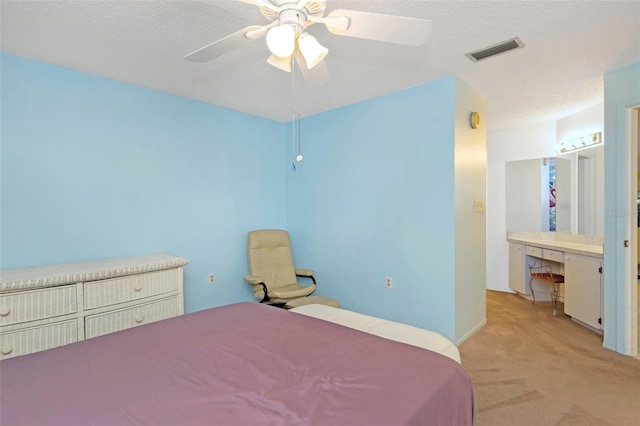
[{"x": 273, "y": 275}]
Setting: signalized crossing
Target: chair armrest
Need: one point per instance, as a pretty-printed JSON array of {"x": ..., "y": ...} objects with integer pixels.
[
  {"x": 252, "y": 279},
  {"x": 304, "y": 272},
  {"x": 308, "y": 273}
]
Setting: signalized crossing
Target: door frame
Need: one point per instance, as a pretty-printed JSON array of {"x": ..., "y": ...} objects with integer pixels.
[{"x": 631, "y": 289}]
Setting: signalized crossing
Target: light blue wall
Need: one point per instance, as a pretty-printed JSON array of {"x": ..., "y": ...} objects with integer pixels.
[
  {"x": 373, "y": 198},
  {"x": 621, "y": 91},
  {"x": 95, "y": 168}
]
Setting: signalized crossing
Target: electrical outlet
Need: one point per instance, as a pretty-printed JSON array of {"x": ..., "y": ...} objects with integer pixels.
[
  {"x": 388, "y": 282},
  {"x": 212, "y": 278}
]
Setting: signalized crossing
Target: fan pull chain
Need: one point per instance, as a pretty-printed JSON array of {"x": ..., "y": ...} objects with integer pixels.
[
  {"x": 293, "y": 114},
  {"x": 297, "y": 94},
  {"x": 296, "y": 105},
  {"x": 293, "y": 142},
  {"x": 299, "y": 157}
]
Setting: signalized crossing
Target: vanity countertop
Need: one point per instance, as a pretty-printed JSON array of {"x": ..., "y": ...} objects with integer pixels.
[{"x": 578, "y": 244}]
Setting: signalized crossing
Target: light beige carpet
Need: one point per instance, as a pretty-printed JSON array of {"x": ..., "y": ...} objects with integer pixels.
[{"x": 531, "y": 368}]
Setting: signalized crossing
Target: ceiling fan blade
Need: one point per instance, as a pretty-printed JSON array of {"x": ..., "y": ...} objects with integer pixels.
[
  {"x": 314, "y": 5},
  {"x": 376, "y": 26},
  {"x": 224, "y": 45},
  {"x": 261, "y": 3}
]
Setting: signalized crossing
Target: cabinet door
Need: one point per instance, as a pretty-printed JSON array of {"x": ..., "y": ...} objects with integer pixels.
[
  {"x": 582, "y": 280},
  {"x": 516, "y": 268}
]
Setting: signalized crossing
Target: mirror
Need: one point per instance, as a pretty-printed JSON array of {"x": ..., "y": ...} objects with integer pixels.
[
  {"x": 558, "y": 193},
  {"x": 539, "y": 195},
  {"x": 589, "y": 191}
]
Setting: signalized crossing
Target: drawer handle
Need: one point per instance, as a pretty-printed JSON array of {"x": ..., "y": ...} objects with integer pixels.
[
  {"x": 139, "y": 318},
  {"x": 7, "y": 351},
  {"x": 5, "y": 312},
  {"x": 137, "y": 287}
]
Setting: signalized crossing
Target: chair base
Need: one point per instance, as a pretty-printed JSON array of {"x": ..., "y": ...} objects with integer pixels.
[
  {"x": 318, "y": 300},
  {"x": 552, "y": 278}
]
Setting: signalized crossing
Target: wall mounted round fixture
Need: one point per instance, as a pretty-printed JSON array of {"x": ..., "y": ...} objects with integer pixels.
[{"x": 474, "y": 120}]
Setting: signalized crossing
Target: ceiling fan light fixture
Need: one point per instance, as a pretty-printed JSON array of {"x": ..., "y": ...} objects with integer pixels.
[
  {"x": 281, "y": 40},
  {"x": 312, "y": 51},
  {"x": 283, "y": 64}
]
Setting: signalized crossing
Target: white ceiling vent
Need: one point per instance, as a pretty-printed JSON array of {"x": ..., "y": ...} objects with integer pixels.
[{"x": 496, "y": 49}]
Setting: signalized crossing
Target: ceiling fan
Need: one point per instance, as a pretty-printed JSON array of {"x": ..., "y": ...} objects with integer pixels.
[{"x": 287, "y": 38}]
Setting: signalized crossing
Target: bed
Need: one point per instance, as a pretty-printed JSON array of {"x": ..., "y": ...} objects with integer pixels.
[{"x": 242, "y": 364}]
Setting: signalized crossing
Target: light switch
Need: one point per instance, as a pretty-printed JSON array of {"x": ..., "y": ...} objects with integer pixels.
[{"x": 479, "y": 206}]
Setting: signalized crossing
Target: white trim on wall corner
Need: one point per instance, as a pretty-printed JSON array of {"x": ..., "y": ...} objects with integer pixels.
[{"x": 632, "y": 120}]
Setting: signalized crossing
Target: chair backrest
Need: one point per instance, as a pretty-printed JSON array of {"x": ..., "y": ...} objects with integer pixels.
[{"x": 269, "y": 254}]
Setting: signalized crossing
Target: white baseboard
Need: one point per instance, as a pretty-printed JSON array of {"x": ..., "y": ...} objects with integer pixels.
[{"x": 471, "y": 332}]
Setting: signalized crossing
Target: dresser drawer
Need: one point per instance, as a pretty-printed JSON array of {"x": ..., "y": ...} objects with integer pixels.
[
  {"x": 554, "y": 255},
  {"x": 133, "y": 287},
  {"x": 37, "y": 304},
  {"x": 534, "y": 251},
  {"x": 109, "y": 322},
  {"x": 34, "y": 339}
]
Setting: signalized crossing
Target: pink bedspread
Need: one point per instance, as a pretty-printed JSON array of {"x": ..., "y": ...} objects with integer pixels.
[{"x": 240, "y": 364}]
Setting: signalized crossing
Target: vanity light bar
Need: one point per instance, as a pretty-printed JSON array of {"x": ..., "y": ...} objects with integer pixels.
[{"x": 581, "y": 142}]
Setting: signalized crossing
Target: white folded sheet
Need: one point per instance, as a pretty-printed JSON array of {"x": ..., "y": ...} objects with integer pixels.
[{"x": 383, "y": 328}]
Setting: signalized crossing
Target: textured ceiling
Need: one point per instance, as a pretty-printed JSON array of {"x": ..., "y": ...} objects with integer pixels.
[{"x": 569, "y": 46}]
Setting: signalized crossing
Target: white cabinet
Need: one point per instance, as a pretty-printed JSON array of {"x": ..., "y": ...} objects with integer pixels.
[
  {"x": 49, "y": 306},
  {"x": 577, "y": 257},
  {"x": 582, "y": 289},
  {"x": 517, "y": 268}
]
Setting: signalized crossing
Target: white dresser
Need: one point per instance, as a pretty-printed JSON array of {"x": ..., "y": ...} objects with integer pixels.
[{"x": 48, "y": 306}]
